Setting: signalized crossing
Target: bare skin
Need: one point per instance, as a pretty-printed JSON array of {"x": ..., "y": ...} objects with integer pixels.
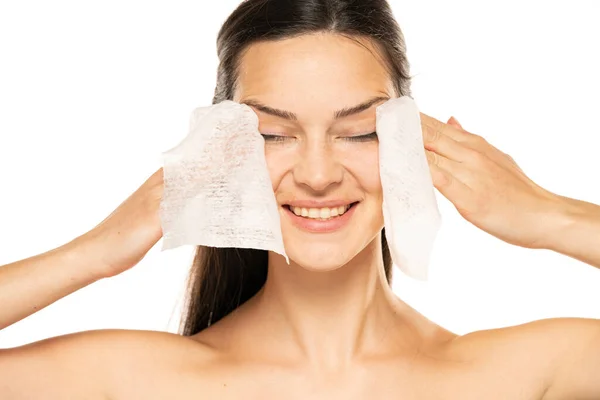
[{"x": 328, "y": 326}]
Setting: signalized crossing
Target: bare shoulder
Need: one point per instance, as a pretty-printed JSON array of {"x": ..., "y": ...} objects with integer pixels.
[
  {"x": 541, "y": 353},
  {"x": 546, "y": 338},
  {"x": 96, "y": 364}
]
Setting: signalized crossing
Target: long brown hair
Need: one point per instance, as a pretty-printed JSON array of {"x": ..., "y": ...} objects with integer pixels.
[{"x": 223, "y": 278}]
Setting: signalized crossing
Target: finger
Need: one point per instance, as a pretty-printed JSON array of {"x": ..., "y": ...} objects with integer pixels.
[
  {"x": 453, "y": 167},
  {"x": 512, "y": 161},
  {"x": 454, "y": 122},
  {"x": 446, "y": 146},
  {"x": 454, "y": 132},
  {"x": 449, "y": 186},
  {"x": 460, "y": 172},
  {"x": 468, "y": 139}
]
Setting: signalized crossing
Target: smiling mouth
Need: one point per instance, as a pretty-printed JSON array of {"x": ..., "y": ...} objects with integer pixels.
[{"x": 320, "y": 214}]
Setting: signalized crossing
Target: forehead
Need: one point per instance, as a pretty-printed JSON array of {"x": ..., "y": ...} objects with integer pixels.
[{"x": 323, "y": 69}]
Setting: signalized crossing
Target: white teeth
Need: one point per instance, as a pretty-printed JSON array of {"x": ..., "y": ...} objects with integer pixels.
[{"x": 320, "y": 213}]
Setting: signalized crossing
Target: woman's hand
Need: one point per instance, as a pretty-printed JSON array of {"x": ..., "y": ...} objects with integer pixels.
[
  {"x": 128, "y": 233},
  {"x": 487, "y": 187}
]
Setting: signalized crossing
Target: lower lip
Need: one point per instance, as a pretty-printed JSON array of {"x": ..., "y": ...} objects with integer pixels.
[{"x": 317, "y": 226}]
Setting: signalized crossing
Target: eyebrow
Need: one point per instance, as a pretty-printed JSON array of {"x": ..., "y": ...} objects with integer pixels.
[{"x": 344, "y": 112}]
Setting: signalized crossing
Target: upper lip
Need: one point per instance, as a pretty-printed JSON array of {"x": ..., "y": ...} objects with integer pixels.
[{"x": 319, "y": 204}]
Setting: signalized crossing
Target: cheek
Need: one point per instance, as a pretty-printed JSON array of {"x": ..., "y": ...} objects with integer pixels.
[
  {"x": 363, "y": 163},
  {"x": 278, "y": 164}
]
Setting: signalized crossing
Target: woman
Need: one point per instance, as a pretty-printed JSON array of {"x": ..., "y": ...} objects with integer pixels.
[{"x": 328, "y": 326}]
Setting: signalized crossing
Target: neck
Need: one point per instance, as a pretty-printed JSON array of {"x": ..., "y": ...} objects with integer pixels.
[{"x": 329, "y": 317}]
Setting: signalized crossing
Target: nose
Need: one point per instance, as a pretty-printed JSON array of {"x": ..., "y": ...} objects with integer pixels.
[{"x": 317, "y": 167}]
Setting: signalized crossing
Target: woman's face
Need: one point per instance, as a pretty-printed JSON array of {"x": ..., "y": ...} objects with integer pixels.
[{"x": 323, "y": 163}]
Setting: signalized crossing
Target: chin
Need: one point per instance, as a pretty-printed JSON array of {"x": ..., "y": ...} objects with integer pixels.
[
  {"x": 326, "y": 253},
  {"x": 320, "y": 261}
]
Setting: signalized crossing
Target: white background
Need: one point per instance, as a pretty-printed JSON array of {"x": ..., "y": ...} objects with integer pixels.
[{"x": 92, "y": 92}]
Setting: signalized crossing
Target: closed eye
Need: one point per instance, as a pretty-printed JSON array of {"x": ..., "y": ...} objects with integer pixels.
[
  {"x": 362, "y": 138},
  {"x": 273, "y": 138}
]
